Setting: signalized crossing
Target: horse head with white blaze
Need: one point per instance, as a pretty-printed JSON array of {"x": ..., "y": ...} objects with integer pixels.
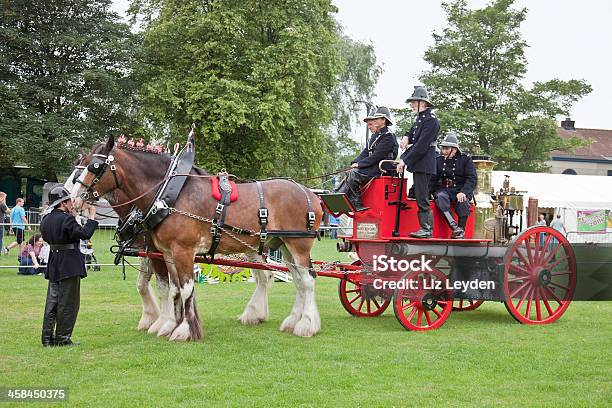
[{"x": 292, "y": 217}]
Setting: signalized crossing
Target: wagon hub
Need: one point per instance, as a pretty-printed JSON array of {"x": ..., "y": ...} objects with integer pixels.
[
  {"x": 545, "y": 277},
  {"x": 429, "y": 302}
]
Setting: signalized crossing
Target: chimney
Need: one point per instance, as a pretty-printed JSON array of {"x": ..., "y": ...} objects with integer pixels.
[{"x": 568, "y": 124}]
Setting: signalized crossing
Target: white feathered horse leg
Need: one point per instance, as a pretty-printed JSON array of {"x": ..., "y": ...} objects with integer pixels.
[
  {"x": 150, "y": 308},
  {"x": 167, "y": 310},
  {"x": 256, "y": 311},
  {"x": 304, "y": 320}
]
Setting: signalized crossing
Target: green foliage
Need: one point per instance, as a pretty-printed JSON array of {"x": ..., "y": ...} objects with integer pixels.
[
  {"x": 478, "y": 62},
  {"x": 270, "y": 85},
  {"x": 64, "y": 80}
]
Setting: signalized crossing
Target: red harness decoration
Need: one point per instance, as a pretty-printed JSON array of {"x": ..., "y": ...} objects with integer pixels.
[{"x": 214, "y": 181}]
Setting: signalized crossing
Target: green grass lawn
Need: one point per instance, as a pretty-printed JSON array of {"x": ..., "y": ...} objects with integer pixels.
[{"x": 480, "y": 358}]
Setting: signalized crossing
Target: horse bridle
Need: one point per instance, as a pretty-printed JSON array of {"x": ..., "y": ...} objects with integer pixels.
[{"x": 98, "y": 165}]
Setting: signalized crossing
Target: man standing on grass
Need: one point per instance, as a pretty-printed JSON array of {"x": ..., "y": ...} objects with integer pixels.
[
  {"x": 18, "y": 223},
  {"x": 66, "y": 266},
  {"x": 3, "y": 210}
]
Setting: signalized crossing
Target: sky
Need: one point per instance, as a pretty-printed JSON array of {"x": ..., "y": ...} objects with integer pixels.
[{"x": 567, "y": 39}]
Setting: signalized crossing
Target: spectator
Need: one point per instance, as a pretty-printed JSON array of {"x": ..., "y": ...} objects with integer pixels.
[
  {"x": 18, "y": 224},
  {"x": 29, "y": 256},
  {"x": 541, "y": 220},
  {"x": 3, "y": 211},
  {"x": 333, "y": 223},
  {"x": 558, "y": 225}
]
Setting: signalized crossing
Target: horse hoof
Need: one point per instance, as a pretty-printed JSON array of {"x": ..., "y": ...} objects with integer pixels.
[
  {"x": 146, "y": 321},
  {"x": 251, "y": 319},
  {"x": 181, "y": 333},
  {"x": 288, "y": 324},
  {"x": 306, "y": 328},
  {"x": 167, "y": 329},
  {"x": 156, "y": 326}
]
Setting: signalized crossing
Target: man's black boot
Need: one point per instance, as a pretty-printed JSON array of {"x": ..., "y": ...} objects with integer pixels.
[
  {"x": 458, "y": 232},
  {"x": 463, "y": 222},
  {"x": 47, "y": 338},
  {"x": 425, "y": 231},
  {"x": 358, "y": 203}
]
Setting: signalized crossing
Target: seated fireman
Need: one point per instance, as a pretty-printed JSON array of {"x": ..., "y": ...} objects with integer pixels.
[
  {"x": 381, "y": 146},
  {"x": 454, "y": 183}
]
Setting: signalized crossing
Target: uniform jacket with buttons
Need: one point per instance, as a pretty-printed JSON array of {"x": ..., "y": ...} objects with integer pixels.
[
  {"x": 460, "y": 169},
  {"x": 58, "y": 227},
  {"x": 381, "y": 146},
  {"x": 421, "y": 156}
]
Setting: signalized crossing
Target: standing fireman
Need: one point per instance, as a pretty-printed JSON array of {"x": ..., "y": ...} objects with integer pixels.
[
  {"x": 66, "y": 266},
  {"x": 420, "y": 157}
]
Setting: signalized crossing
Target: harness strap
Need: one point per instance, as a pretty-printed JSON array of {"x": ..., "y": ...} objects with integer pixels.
[
  {"x": 220, "y": 211},
  {"x": 263, "y": 218},
  {"x": 310, "y": 217}
]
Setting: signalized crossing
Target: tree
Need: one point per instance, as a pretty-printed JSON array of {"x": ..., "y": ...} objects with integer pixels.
[
  {"x": 259, "y": 79},
  {"x": 478, "y": 62},
  {"x": 64, "y": 80}
]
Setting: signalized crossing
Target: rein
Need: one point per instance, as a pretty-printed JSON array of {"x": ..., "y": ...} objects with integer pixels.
[{"x": 153, "y": 188}]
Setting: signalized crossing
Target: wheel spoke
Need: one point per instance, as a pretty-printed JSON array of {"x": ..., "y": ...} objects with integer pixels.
[
  {"x": 561, "y": 273},
  {"x": 559, "y": 285},
  {"x": 537, "y": 303},
  {"x": 545, "y": 247},
  {"x": 352, "y": 291},
  {"x": 414, "y": 310},
  {"x": 520, "y": 269},
  {"x": 368, "y": 304},
  {"x": 546, "y": 304},
  {"x": 520, "y": 302},
  {"x": 516, "y": 279},
  {"x": 437, "y": 313},
  {"x": 556, "y": 263},
  {"x": 518, "y": 289},
  {"x": 427, "y": 317},
  {"x": 552, "y": 253},
  {"x": 360, "y": 304},
  {"x": 376, "y": 303},
  {"x": 420, "y": 317},
  {"x": 528, "y": 309},
  {"x": 411, "y": 304},
  {"x": 551, "y": 293},
  {"x": 355, "y": 298},
  {"x": 522, "y": 257},
  {"x": 528, "y": 248}
]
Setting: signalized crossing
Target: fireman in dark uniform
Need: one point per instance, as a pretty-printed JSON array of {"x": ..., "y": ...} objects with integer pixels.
[
  {"x": 420, "y": 157},
  {"x": 65, "y": 268},
  {"x": 454, "y": 183},
  {"x": 381, "y": 146}
]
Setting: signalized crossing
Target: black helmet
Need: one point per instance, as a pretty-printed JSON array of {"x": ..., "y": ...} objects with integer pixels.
[
  {"x": 451, "y": 140},
  {"x": 420, "y": 94},
  {"x": 381, "y": 112},
  {"x": 58, "y": 195}
]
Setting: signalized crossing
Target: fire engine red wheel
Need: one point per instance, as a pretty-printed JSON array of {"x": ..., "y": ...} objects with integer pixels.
[
  {"x": 423, "y": 307},
  {"x": 362, "y": 300},
  {"x": 465, "y": 305},
  {"x": 540, "y": 276}
]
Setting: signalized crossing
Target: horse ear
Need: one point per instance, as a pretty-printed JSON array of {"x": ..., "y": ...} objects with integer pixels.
[{"x": 110, "y": 143}]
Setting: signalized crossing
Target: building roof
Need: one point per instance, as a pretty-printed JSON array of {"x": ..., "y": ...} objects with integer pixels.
[{"x": 599, "y": 149}]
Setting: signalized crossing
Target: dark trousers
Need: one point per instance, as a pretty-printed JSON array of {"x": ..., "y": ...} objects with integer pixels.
[
  {"x": 61, "y": 309},
  {"x": 445, "y": 197},
  {"x": 421, "y": 191}
]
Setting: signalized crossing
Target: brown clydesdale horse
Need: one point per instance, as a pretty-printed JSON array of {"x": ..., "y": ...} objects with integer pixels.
[
  {"x": 180, "y": 237},
  {"x": 151, "y": 318}
]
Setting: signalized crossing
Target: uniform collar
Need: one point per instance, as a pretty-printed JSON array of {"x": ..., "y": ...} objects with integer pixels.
[
  {"x": 425, "y": 112},
  {"x": 382, "y": 131}
]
